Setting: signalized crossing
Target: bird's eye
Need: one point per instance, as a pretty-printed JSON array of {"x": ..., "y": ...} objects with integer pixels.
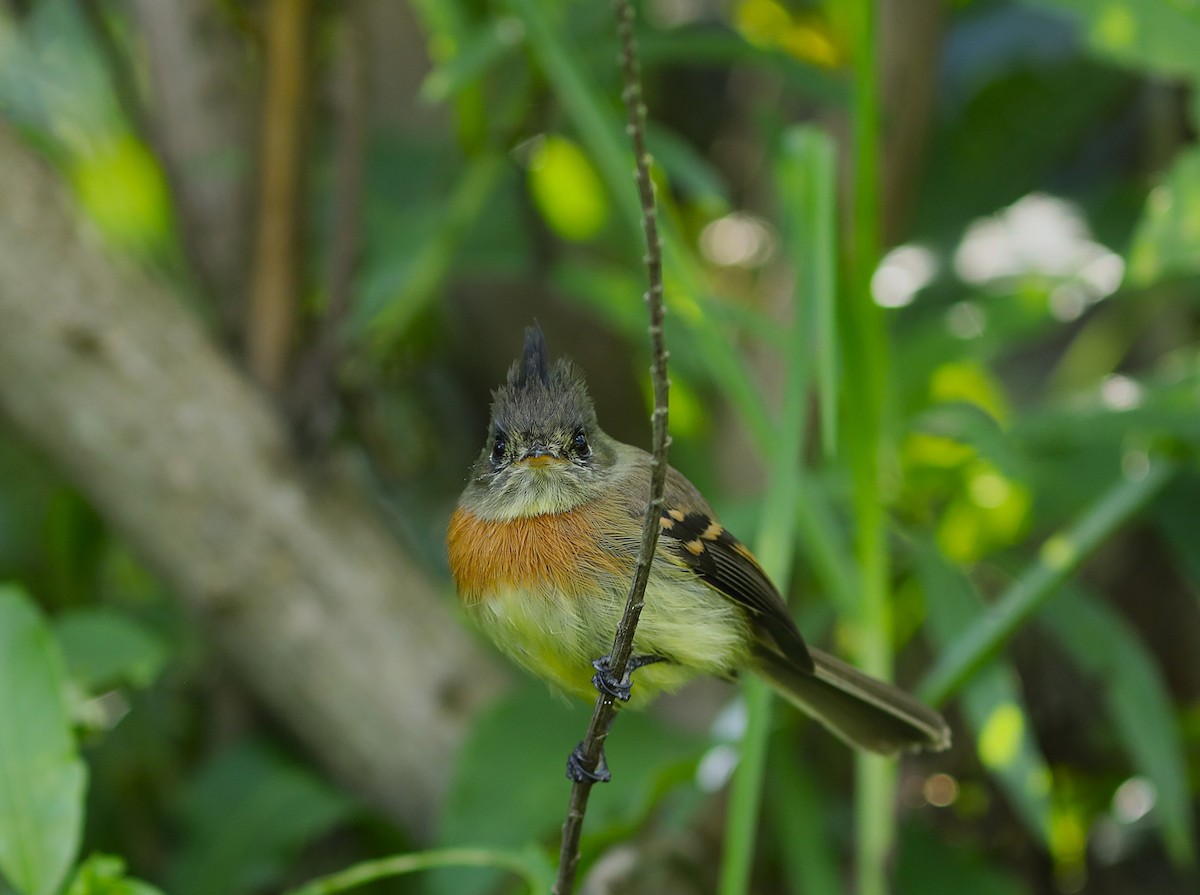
[
  {"x": 499, "y": 446},
  {"x": 582, "y": 448}
]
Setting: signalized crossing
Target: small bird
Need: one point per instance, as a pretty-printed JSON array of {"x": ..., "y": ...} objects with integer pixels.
[{"x": 542, "y": 549}]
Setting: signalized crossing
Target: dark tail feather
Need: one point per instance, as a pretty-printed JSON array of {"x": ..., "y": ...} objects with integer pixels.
[{"x": 863, "y": 711}]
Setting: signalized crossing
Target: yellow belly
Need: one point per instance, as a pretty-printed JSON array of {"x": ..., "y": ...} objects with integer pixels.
[
  {"x": 550, "y": 594},
  {"x": 556, "y": 634}
]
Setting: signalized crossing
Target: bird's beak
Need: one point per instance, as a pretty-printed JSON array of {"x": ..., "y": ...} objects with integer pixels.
[{"x": 539, "y": 456}]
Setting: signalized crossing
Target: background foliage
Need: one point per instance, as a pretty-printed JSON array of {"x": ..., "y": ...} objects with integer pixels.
[{"x": 989, "y": 423}]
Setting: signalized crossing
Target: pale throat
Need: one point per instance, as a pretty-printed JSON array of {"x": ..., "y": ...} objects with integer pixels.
[{"x": 534, "y": 491}]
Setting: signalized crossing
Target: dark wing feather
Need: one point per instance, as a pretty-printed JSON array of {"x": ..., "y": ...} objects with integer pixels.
[{"x": 692, "y": 535}]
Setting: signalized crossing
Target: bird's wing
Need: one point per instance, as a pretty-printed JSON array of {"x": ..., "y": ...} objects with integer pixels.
[{"x": 692, "y": 537}]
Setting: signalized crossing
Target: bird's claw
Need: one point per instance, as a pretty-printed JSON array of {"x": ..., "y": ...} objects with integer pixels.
[
  {"x": 579, "y": 772},
  {"x": 607, "y": 683}
]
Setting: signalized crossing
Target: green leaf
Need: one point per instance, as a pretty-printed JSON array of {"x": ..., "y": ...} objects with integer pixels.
[
  {"x": 105, "y": 648},
  {"x": 1138, "y": 703},
  {"x": 805, "y": 174},
  {"x": 1167, "y": 239},
  {"x": 1038, "y": 115},
  {"x": 566, "y": 189},
  {"x": 992, "y": 701},
  {"x": 969, "y": 424},
  {"x": 104, "y": 874},
  {"x": 120, "y": 184},
  {"x": 1158, "y": 36},
  {"x": 42, "y": 779},
  {"x": 247, "y": 813}
]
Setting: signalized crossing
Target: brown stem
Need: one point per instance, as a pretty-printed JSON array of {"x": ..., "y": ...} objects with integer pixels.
[
  {"x": 275, "y": 290},
  {"x": 622, "y": 648}
]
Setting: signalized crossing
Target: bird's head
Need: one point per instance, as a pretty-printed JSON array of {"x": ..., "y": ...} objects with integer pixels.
[{"x": 544, "y": 451}]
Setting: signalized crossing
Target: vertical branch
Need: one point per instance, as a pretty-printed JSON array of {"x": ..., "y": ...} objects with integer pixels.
[
  {"x": 276, "y": 283},
  {"x": 622, "y": 649}
]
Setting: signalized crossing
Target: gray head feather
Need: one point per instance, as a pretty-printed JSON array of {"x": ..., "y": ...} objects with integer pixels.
[{"x": 539, "y": 397}]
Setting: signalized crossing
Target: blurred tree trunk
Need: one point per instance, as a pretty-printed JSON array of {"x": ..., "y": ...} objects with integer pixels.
[{"x": 335, "y": 629}]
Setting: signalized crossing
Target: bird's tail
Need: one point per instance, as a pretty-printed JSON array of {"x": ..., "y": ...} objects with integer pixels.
[{"x": 865, "y": 712}]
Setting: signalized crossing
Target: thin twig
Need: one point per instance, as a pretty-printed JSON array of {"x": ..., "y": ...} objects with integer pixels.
[{"x": 622, "y": 648}]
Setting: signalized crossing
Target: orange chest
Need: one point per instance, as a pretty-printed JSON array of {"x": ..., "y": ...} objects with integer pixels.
[{"x": 557, "y": 551}]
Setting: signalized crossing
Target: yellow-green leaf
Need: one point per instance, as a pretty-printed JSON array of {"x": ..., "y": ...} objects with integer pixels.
[
  {"x": 123, "y": 190},
  {"x": 567, "y": 190}
]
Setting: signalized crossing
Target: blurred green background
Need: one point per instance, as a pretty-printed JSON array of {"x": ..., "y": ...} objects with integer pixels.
[{"x": 932, "y": 286}]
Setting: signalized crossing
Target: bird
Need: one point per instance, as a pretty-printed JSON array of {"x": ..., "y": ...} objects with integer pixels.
[{"x": 542, "y": 547}]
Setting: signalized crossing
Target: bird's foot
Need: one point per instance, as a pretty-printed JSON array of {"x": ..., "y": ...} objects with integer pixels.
[
  {"x": 607, "y": 683},
  {"x": 579, "y": 772}
]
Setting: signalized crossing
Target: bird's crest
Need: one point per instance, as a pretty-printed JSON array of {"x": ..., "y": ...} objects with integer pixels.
[
  {"x": 539, "y": 394},
  {"x": 534, "y": 365}
]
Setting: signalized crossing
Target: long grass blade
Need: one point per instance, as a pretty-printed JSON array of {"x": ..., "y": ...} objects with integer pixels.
[
  {"x": 865, "y": 352},
  {"x": 1060, "y": 556},
  {"x": 809, "y": 224}
]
